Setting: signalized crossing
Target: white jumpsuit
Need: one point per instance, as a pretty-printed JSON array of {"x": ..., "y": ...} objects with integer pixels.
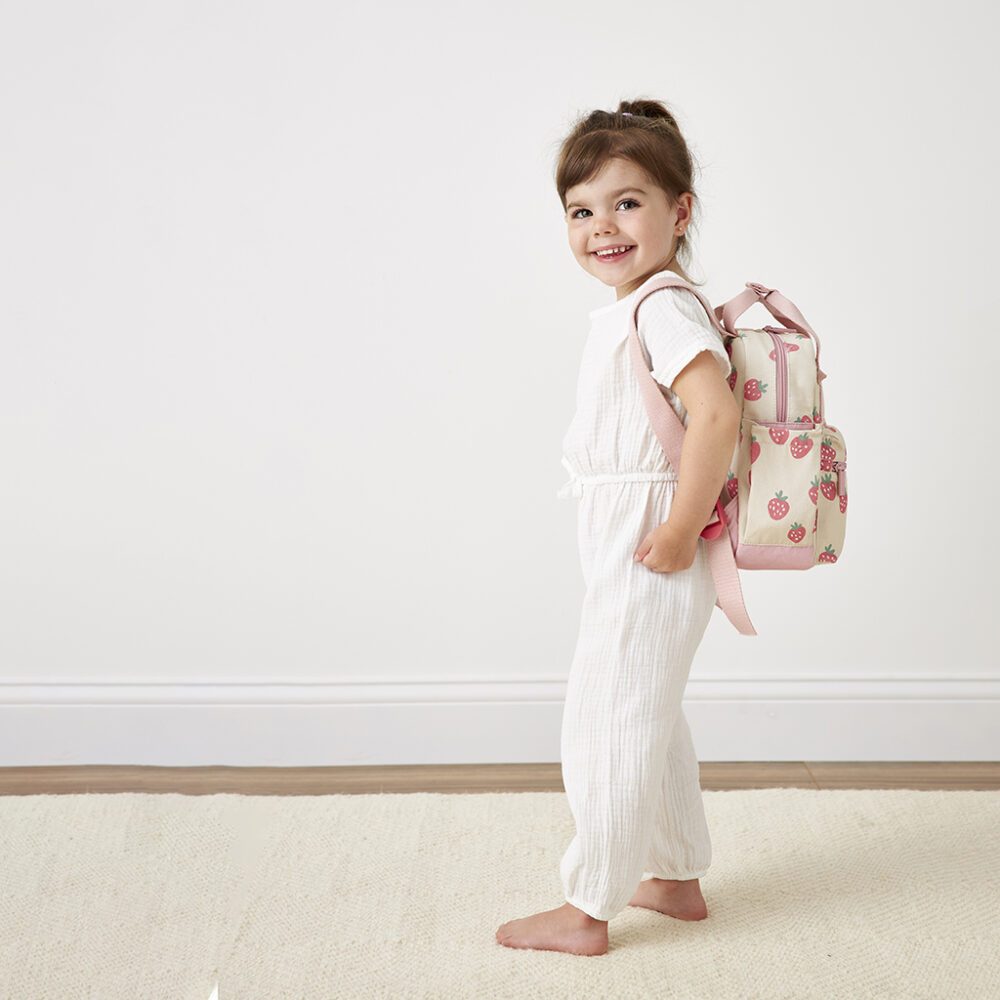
[{"x": 628, "y": 763}]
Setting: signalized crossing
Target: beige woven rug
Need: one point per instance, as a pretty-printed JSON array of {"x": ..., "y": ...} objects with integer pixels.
[{"x": 812, "y": 894}]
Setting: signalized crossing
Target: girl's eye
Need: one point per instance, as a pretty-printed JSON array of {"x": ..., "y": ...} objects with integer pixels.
[{"x": 626, "y": 201}]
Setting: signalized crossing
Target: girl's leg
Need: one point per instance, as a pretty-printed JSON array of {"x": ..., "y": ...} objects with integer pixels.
[
  {"x": 681, "y": 847},
  {"x": 638, "y": 635}
]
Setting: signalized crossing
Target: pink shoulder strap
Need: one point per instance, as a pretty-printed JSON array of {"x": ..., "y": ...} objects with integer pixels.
[{"x": 670, "y": 432}]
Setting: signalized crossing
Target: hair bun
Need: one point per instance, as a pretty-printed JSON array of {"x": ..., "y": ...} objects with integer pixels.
[{"x": 646, "y": 108}]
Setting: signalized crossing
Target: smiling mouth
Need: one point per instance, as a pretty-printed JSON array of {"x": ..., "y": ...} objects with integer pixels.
[{"x": 616, "y": 254}]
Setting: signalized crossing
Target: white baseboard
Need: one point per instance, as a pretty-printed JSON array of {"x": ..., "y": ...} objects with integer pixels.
[{"x": 302, "y": 723}]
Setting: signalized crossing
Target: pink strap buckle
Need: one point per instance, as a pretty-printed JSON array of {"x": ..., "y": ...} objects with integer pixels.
[
  {"x": 713, "y": 529},
  {"x": 762, "y": 290}
]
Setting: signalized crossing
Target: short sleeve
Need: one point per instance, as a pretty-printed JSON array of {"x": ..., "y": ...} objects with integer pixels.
[{"x": 673, "y": 330}]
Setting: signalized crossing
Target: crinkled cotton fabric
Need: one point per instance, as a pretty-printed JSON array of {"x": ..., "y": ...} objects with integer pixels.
[
  {"x": 628, "y": 763},
  {"x": 610, "y": 433}
]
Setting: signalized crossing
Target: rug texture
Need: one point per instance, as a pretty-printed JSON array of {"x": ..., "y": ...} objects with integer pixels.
[{"x": 848, "y": 894}]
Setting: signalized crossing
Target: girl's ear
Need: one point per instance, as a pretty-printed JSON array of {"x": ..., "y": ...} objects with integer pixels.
[{"x": 684, "y": 203}]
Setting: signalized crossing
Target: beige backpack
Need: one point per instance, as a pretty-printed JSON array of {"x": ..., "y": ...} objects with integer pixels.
[{"x": 784, "y": 505}]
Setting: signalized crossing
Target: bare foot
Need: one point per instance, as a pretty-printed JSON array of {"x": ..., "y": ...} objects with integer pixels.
[
  {"x": 565, "y": 928},
  {"x": 674, "y": 898}
]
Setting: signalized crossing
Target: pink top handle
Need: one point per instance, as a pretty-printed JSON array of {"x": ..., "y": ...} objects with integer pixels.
[{"x": 783, "y": 310}]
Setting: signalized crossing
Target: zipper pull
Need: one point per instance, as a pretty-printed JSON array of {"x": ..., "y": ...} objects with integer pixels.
[{"x": 841, "y": 470}]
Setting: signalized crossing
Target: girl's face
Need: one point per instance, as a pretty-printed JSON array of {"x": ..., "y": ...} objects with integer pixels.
[{"x": 621, "y": 207}]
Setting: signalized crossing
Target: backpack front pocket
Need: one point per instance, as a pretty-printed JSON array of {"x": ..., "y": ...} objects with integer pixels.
[
  {"x": 831, "y": 501},
  {"x": 783, "y": 481}
]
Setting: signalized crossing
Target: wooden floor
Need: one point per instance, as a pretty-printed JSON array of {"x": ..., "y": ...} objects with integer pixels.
[{"x": 457, "y": 778}]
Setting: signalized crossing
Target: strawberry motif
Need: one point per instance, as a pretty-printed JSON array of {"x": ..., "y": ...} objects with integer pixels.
[
  {"x": 827, "y": 555},
  {"x": 733, "y": 486},
  {"x": 814, "y": 492},
  {"x": 778, "y": 435},
  {"x": 732, "y": 380},
  {"x": 788, "y": 350},
  {"x": 827, "y": 455},
  {"x": 797, "y": 532},
  {"x": 778, "y": 507},
  {"x": 801, "y": 446},
  {"x": 843, "y": 504},
  {"x": 815, "y": 521},
  {"x": 753, "y": 390},
  {"x": 829, "y": 488},
  {"x": 754, "y": 449}
]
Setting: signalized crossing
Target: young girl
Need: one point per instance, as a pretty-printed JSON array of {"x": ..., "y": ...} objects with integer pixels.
[{"x": 628, "y": 763}]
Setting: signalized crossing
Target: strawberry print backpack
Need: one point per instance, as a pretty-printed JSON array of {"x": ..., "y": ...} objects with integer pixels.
[{"x": 784, "y": 504}]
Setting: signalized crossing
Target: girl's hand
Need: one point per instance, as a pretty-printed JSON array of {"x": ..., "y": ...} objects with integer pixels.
[{"x": 664, "y": 550}]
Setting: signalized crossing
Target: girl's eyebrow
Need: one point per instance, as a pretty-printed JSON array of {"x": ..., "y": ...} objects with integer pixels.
[{"x": 616, "y": 194}]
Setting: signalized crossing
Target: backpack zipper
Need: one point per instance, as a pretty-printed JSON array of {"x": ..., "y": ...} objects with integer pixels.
[
  {"x": 781, "y": 373},
  {"x": 840, "y": 467}
]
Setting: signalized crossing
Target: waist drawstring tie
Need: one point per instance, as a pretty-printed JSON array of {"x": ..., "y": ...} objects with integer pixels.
[{"x": 574, "y": 487}]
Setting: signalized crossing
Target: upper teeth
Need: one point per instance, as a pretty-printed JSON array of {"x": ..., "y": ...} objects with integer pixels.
[{"x": 604, "y": 253}]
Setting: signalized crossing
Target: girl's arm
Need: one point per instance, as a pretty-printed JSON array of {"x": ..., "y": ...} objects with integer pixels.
[{"x": 709, "y": 442}]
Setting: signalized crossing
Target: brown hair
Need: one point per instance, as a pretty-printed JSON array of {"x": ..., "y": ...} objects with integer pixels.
[{"x": 643, "y": 131}]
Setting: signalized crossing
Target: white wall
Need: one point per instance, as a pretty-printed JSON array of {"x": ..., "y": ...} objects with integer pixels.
[{"x": 291, "y": 331}]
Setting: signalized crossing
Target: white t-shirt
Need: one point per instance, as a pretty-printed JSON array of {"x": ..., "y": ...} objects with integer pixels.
[{"x": 610, "y": 433}]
